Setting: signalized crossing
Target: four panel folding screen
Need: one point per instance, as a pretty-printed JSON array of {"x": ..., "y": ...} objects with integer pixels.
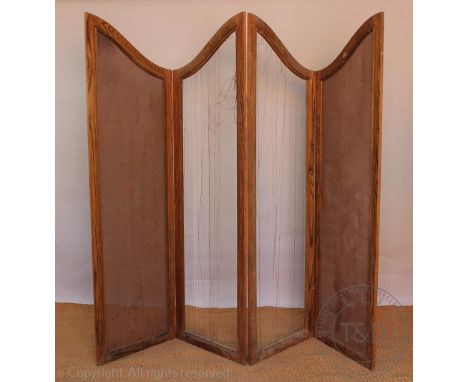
[{"x": 235, "y": 201}]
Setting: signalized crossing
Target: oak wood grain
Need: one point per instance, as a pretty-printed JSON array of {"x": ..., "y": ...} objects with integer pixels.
[
  {"x": 242, "y": 192},
  {"x": 179, "y": 204},
  {"x": 250, "y": 219},
  {"x": 376, "y": 155},
  {"x": 94, "y": 187},
  {"x": 310, "y": 202}
]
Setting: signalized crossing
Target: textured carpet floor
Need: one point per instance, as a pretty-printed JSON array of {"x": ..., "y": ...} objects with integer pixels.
[{"x": 176, "y": 360}]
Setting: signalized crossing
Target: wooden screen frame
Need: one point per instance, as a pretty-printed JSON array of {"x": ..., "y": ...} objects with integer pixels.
[
  {"x": 374, "y": 25},
  {"x": 246, "y": 26},
  {"x": 257, "y": 25},
  {"x": 314, "y": 80},
  {"x": 236, "y": 25},
  {"x": 93, "y": 26}
]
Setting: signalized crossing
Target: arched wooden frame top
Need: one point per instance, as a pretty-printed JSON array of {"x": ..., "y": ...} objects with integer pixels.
[
  {"x": 256, "y": 24},
  {"x": 375, "y": 22},
  {"x": 96, "y": 24},
  {"x": 234, "y": 24},
  {"x": 246, "y": 26}
]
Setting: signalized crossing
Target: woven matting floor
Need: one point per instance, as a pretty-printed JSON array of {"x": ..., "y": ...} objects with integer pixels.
[
  {"x": 176, "y": 360},
  {"x": 220, "y": 324}
]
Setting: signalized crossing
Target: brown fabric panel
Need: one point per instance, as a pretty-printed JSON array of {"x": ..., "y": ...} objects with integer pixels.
[
  {"x": 131, "y": 107},
  {"x": 344, "y": 255}
]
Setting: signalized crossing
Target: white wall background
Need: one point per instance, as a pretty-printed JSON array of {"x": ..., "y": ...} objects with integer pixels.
[{"x": 170, "y": 33}]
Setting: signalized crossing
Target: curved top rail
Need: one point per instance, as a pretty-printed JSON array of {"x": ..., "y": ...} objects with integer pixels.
[
  {"x": 94, "y": 22},
  {"x": 369, "y": 26},
  {"x": 288, "y": 59},
  {"x": 211, "y": 46},
  {"x": 278, "y": 47},
  {"x": 230, "y": 26}
]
